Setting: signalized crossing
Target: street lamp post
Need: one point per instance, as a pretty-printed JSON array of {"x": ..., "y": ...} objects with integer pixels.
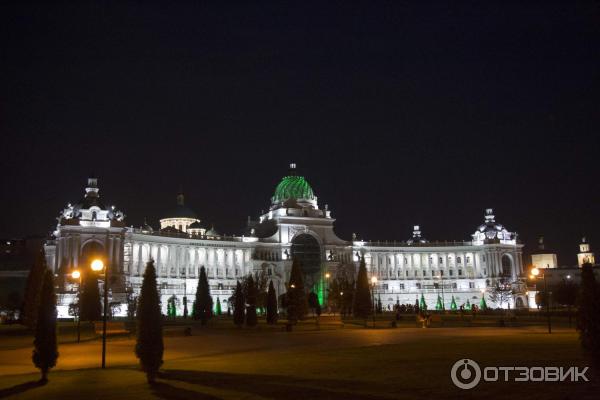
[
  {"x": 77, "y": 275},
  {"x": 327, "y": 276},
  {"x": 569, "y": 302},
  {"x": 98, "y": 265},
  {"x": 534, "y": 274},
  {"x": 374, "y": 283}
]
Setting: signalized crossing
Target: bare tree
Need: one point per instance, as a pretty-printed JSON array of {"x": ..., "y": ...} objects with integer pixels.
[{"x": 502, "y": 292}]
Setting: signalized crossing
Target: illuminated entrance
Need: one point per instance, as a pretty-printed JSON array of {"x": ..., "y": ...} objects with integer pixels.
[{"x": 307, "y": 250}]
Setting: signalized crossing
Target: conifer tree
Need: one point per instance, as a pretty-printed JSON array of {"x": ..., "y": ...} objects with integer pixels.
[
  {"x": 45, "y": 351},
  {"x": 297, "y": 305},
  {"x": 203, "y": 304},
  {"x": 185, "y": 308},
  {"x": 271, "y": 304},
  {"x": 453, "y": 306},
  {"x": 90, "y": 305},
  {"x": 32, "y": 290},
  {"x": 149, "y": 347},
  {"x": 363, "y": 306},
  {"x": 251, "y": 297},
  {"x": 588, "y": 318},
  {"x": 239, "y": 305},
  {"x": 313, "y": 301}
]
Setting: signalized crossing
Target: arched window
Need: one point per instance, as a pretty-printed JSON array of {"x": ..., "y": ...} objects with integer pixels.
[{"x": 506, "y": 265}]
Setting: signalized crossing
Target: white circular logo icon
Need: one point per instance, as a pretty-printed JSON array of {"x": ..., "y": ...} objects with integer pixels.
[{"x": 465, "y": 373}]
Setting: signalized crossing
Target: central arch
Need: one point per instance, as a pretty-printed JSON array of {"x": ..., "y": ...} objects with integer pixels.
[
  {"x": 306, "y": 249},
  {"x": 90, "y": 251}
]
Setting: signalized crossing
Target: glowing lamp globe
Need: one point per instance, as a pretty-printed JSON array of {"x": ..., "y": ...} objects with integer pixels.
[
  {"x": 97, "y": 265},
  {"x": 75, "y": 274}
]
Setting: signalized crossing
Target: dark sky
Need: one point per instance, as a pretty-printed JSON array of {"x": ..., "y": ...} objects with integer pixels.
[{"x": 397, "y": 114}]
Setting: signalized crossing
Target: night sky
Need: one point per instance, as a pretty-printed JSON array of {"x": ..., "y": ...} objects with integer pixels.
[{"x": 396, "y": 114}]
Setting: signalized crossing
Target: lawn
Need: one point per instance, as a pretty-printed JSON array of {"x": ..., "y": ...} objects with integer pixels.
[{"x": 334, "y": 363}]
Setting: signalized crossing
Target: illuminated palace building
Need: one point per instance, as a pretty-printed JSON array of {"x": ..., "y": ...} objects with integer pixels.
[{"x": 294, "y": 226}]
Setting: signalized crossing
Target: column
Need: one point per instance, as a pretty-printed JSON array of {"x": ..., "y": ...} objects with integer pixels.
[
  {"x": 117, "y": 244},
  {"x": 75, "y": 252},
  {"x": 110, "y": 253},
  {"x": 169, "y": 260},
  {"x": 159, "y": 263},
  {"x": 498, "y": 263},
  {"x": 139, "y": 260}
]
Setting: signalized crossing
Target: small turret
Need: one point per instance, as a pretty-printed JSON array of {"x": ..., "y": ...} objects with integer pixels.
[{"x": 585, "y": 254}]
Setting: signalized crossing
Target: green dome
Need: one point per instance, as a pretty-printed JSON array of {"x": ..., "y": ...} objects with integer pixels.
[{"x": 293, "y": 187}]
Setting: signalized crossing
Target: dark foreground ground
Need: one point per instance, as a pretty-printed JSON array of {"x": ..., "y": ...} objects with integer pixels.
[{"x": 221, "y": 362}]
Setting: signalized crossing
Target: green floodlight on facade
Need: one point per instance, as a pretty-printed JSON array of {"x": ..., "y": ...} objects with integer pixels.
[
  {"x": 439, "y": 306},
  {"x": 482, "y": 303},
  {"x": 453, "y": 304},
  {"x": 423, "y": 304}
]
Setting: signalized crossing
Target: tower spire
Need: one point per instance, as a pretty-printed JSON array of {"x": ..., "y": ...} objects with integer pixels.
[{"x": 292, "y": 170}]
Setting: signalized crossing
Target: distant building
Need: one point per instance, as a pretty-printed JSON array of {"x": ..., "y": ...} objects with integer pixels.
[
  {"x": 16, "y": 259},
  {"x": 585, "y": 255},
  {"x": 542, "y": 258}
]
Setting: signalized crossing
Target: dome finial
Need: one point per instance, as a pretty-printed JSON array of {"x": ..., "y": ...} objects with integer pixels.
[
  {"x": 180, "y": 199},
  {"x": 489, "y": 215},
  {"x": 292, "y": 170},
  {"x": 92, "y": 186}
]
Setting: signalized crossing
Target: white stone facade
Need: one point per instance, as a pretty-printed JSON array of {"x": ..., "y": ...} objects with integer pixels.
[{"x": 294, "y": 224}]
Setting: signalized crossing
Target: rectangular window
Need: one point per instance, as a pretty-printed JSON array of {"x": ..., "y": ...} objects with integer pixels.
[
  {"x": 460, "y": 272},
  {"x": 485, "y": 271},
  {"x": 458, "y": 260},
  {"x": 418, "y": 286},
  {"x": 471, "y": 285},
  {"x": 451, "y": 272},
  {"x": 441, "y": 273},
  {"x": 402, "y": 286},
  {"x": 385, "y": 286},
  {"x": 441, "y": 260}
]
